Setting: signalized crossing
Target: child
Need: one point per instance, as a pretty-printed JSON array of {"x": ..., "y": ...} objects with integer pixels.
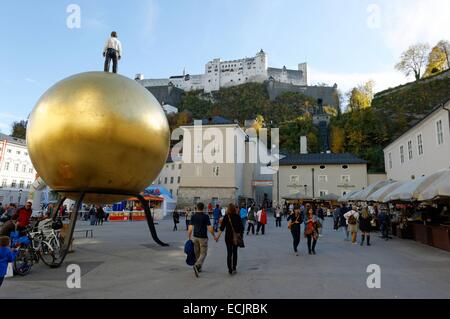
[{"x": 6, "y": 256}]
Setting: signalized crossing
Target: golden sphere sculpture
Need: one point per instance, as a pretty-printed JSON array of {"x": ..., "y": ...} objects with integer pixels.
[{"x": 98, "y": 132}]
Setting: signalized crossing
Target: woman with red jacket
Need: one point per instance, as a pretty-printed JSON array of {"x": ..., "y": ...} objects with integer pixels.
[{"x": 262, "y": 221}]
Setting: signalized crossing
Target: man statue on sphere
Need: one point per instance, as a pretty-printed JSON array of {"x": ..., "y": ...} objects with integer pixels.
[{"x": 112, "y": 51}]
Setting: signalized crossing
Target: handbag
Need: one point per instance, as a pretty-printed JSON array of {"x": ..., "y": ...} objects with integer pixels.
[{"x": 237, "y": 237}]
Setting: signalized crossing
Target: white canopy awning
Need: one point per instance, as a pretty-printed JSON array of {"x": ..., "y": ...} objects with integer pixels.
[
  {"x": 412, "y": 191},
  {"x": 344, "y": 198},
  {"x": 440, "y": 188},
  {"x": 380, "y": 195},
  {"x": 365, "y": 193}
]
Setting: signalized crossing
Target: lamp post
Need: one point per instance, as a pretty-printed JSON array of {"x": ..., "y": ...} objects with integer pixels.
[
  {"x": 306, "y": 188},
  {"x": 20, "y": 196}
]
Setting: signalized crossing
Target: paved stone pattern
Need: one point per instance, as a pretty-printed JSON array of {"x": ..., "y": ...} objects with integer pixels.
[{"x": 121, "y": 261}]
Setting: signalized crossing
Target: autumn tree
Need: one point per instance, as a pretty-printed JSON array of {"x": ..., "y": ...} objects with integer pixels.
[
  {"x": 414, "y": 60},
  {"x": 19, "y": 129},
  {"x": 437, "y": 61},
  {"x": 361, "y": 97},
  {"x": 337, "y": 137}
]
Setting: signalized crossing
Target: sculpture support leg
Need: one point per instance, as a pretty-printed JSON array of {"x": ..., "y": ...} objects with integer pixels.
[
  {"x": 150, "y": 222},
  {"x": 58, "y": 206},
  {"x": 69, "y": 232}
]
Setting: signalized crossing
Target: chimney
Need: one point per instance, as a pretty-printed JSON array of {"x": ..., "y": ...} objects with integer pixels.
[{"x": 303, "y": 145}]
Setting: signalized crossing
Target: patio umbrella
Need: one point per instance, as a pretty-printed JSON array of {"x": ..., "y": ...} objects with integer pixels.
[
  {"x": 352, "y": 197},
  {"x": 440, "y": 188},
  {"x": 365, "y": 193},
  {"x": 328, "y": 198},
  {"x": 411, "y": 191},
  {"x": 380, "y": 195},
  {"x": 344, "y": 198},
  {"x": 298, "y": 196}
]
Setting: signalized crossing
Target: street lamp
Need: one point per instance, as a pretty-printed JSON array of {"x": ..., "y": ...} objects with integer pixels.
[
  {"x": 306, "y": 187},
  {"x": 20, "y": 196}
]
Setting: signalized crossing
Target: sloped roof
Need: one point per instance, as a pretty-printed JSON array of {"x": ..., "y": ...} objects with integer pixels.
[
  {"x": 12, "y": 140},
  {"x": 321, "y": 159}
]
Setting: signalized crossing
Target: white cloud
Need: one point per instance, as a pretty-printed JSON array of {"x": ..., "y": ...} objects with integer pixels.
[
  {"x": 406, "y": 22},
  {"x": 347, "y": 81}
]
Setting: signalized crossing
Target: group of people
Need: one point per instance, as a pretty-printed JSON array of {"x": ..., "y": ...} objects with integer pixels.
[
  {"x": 95, "y": 215},
  {"x": 200, "y": 224},
  {"x": 364, "y": 219},
  {"x": 312, "y": 219}
]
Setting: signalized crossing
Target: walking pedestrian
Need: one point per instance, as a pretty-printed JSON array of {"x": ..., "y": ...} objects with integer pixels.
[
  {"x": 336, "y": 216},
  {"x": 232, "y": 223},
  {"x": 6, "y": 256},
  {"x": 278, "y": 216},
  {"x": 251, "y": 219},
  {"x": 188, "y": 216},
  {"x": 243, "y": 214},
  {"x": 294, "y": 224},
  {"x": 365, "y": 225},
  {"x": 112, "y": 52},
  {"x": 100, "y": 216},
  {"x": 176, "y": 220},
  {"x": 198, "y": 233},
  {"x": 343, "y": 223},
  {"x": 321, "y": 216},
  {"x": 262, "y": 221},
  {"x": 92, "y": 215},
  {"x": 216, "y": 215},
  {"x": 311, "y": 231},
  {"x": 352, "y": 221}
]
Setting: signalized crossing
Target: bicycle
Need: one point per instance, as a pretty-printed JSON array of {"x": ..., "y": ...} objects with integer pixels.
[{"x": 26, "y": 256}]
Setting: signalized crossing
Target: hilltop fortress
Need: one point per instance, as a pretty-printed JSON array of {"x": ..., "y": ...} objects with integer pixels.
[{"x": 222, "y": 74}]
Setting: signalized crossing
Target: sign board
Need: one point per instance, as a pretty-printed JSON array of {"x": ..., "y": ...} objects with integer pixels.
[{"x": 262, "y": 183}]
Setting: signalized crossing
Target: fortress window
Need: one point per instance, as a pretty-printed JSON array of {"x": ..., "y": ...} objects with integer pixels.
[{"x": 322, "y": 167}]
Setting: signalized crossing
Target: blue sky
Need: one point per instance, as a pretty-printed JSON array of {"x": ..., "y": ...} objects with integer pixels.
[{"x": 344, "y": 41}]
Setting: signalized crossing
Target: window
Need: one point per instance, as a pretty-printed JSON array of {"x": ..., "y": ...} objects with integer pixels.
[
  {"x": 9, "y": 151},
  {"x": 171, "y": 192},
  {"x": 402, "y": 154},
  {"x": 173, "y": 167},
  {"x": 13, "y": 184},
  {"x": 322, "y": 167},
  {"x": 179, "y": 166},
  {"x": 390, "y": 160},
  {"x": 26, "y": 154},
  {"x": 196, "y": 200},
  {"x": 216, "y": 171},
  {"x": 159, "y": 180},
  {"x": 410, "y": 150},
  {"x": 165, "y": 180},
  {"x": 22, "y": 184},
  {"x": 4, "y": 183},
  {"x": 294, "y": 167},
  {"x": 323, "y": 178},
  {"x": 440, "y": 132},
  {"x": 24, "y": 168},
  {"x": 18, "y": 152},
  {"x": 345, "y": 178},
  {"x": 16, "y": 167},
  {"x": 30, "y": 170},
  {"x": 420, "y": 144},
  {"x": 179, "y": 179},
  {"x": 344, "y": 166},
  {"x": 295, "y": 180},
  {"x": 171, "y": 180},
  {"x": 7, "y": 166}
]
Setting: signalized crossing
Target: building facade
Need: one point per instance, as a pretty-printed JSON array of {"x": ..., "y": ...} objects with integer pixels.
[
  {"x": 17, "y": 173},
  {"x": 229, "y": 176},
  {"x": 423, "y": 150},
  {"x": 220, "y": 74},
  {"x": 170, "y": 177},
  {"x": 314, "y": 175}
]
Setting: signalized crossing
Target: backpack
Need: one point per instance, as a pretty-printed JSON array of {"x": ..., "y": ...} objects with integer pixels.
[
  {"x": 190, "y": 252},
  {"x": 352, "y": 220}
]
